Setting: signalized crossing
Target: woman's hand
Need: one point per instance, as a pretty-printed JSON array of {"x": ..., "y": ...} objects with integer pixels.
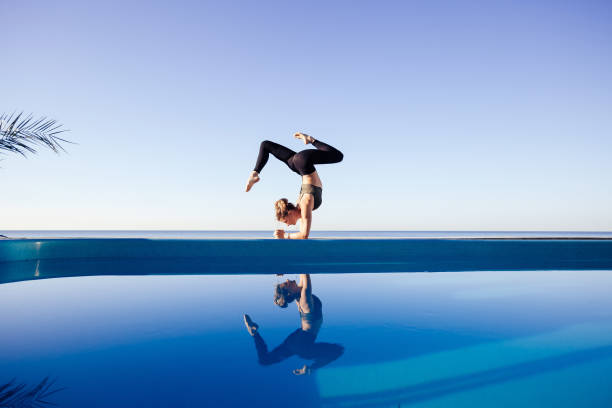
[
  {"x": 302, "y": 371},
  {"x": 279, "y": 234}
]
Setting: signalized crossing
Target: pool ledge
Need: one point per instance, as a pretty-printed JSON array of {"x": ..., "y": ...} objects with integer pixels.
[{"x": 25, "y": 259}]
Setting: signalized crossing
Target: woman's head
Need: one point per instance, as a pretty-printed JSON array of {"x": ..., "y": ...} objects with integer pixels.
[
  {"x": 285, "y": 293},
  {"x": 286, "y": 212}
]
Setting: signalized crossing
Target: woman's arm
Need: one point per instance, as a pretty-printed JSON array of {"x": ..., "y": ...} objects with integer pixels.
[
  {"x": 306, "y": 295},
  {"x": 306, "y": 284},
  {"x": 307, "y": 204}
]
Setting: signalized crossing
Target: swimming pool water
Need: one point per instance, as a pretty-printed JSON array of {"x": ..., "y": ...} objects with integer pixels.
[{"x": 461, "y": 339}]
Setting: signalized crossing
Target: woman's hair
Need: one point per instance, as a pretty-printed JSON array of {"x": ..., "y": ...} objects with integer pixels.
[
  {"x": 282, "y": 297},
  {"x": 282, "y": 207}
]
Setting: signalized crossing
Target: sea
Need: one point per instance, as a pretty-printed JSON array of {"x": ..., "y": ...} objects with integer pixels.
[{"x": 263, "y": 234}]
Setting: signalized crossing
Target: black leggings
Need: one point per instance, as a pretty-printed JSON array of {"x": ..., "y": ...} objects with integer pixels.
[
  {"x": 298, "y": 343},
  {"x": 302, "y": 162}
]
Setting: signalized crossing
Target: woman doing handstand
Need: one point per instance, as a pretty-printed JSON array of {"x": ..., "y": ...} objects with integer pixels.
[{"x": 303, "y": 164}]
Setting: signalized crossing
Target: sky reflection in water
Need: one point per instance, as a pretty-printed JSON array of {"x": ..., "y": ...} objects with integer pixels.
[{"x": 428, "y": 339}]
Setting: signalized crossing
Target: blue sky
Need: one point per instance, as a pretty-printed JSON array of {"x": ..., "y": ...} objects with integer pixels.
[{"x": 452, "y": 115}]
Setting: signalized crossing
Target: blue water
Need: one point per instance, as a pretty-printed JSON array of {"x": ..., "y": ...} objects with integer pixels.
[{"x": 462, "y": 339}]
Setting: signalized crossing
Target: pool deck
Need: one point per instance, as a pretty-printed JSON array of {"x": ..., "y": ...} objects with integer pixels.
[{"x": 25, "y": 259}]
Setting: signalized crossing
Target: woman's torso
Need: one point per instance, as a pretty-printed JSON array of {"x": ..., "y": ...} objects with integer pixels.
[
  {"x": 312, "y": 320},
  {"x": 312, "y": 178}
]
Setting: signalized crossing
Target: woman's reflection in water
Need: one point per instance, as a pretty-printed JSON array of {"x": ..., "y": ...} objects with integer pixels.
[{"x": 302, "y": 341}]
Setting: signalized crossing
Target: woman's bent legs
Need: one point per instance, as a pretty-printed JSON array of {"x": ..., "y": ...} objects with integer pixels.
[
  {"x": 279, "y": 151},
  {"x": 266, "y": 357},
  {"x": 305, "y": 160},
  {"x": 326, "y": 154},
  {"x": 302, "y": 162}
]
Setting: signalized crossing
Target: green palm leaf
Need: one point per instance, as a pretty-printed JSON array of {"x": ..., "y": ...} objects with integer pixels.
[{"x": 23, "y": 134}]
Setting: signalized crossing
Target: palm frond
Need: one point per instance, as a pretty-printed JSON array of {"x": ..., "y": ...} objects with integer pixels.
[
  {"x": 13, "y": 395},
  {"x": 22, "y": 134}
]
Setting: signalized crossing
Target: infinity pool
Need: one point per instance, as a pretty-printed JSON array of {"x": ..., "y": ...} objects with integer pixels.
[
  {"x": 444, "y": 339},
  {"x": 458, "y": 339}
]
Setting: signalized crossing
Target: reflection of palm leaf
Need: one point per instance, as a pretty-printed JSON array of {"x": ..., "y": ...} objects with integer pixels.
[
  {"x": 14, "y": 395},
  {"x": 21, "y": 134}
]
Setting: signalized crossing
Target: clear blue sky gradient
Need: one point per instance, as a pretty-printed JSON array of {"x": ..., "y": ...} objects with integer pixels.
[{"x": 457, "y": 115}]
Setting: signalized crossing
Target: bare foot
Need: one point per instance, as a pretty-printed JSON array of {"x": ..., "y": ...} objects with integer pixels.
[
  {"x": 250, "y": 325},
  {"x": 253, "y": 178},
  {"x": 306, "y": 138}
]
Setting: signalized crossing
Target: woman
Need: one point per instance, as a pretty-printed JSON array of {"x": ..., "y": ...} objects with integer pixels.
[
  {"x": 302, "y": 163},
  {"x": 302, "y": 342},
  {"x": 309, "y": 306}
]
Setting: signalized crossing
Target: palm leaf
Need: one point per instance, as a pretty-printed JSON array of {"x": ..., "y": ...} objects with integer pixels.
[
  {"x": 14, "y": 395},
  {"x": 23, "y": 134}
]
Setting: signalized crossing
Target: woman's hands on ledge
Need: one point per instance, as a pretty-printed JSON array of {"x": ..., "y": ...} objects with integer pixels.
[
  {"x": 301, "y": 371},
  {"x": 281, "y": 234}
]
